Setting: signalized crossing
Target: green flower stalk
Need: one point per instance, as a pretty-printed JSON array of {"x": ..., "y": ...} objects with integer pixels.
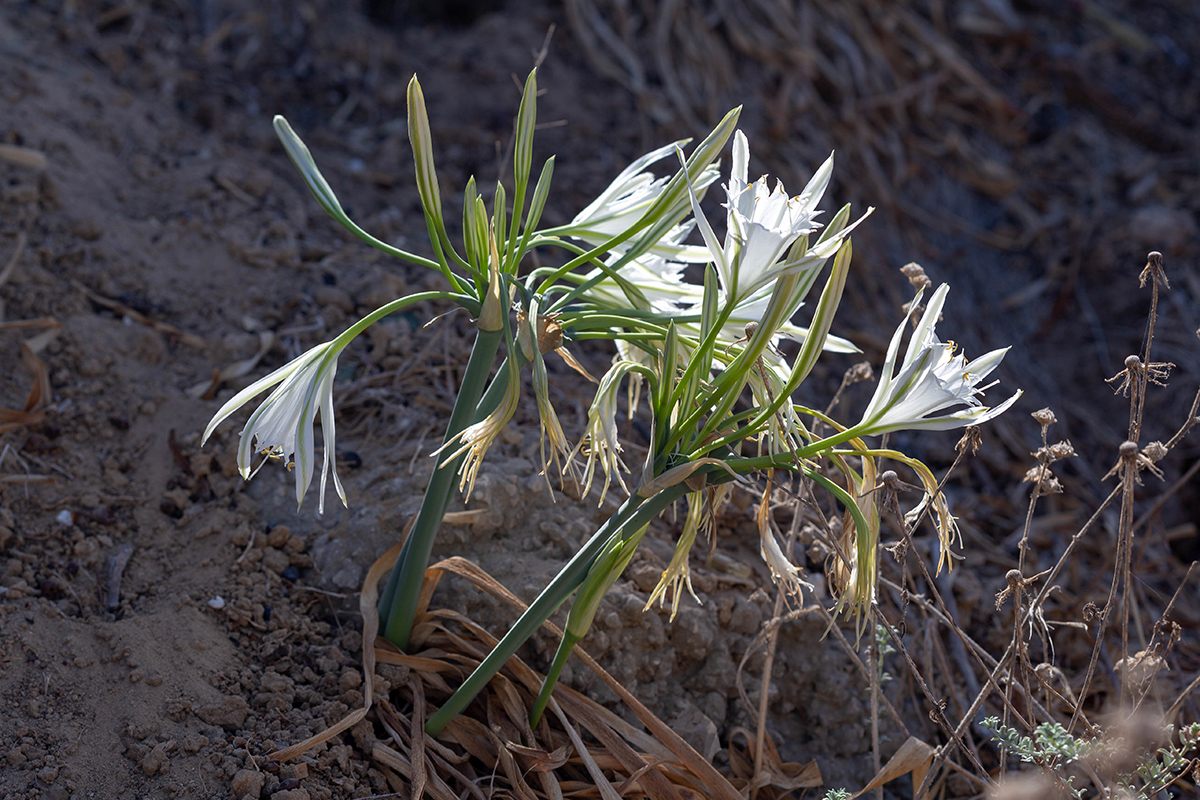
[{"x": 605, "y": 570}]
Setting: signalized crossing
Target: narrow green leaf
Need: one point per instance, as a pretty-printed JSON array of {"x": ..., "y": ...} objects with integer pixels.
[
  {"x": 827, "y": 307},
  {"x": 523, "y": 147}
]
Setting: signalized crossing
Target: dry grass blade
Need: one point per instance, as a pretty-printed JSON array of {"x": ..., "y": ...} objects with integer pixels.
[
  {"x": 768, "y": 769},
  {"x": 25, "y": 157},
  {"x": 18, "y": 250},
  {"x": 914, "y": 756},
  {"x": 39, "y": 393},
  {"x": 490, "y": 750},
  {"x": 120, "y": 308},
  {"x": 667, "y": 740}
]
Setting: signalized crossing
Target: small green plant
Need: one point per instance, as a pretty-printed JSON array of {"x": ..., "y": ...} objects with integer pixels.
[
  {"x": 883, "y": 649},
  {"x": 1054, "y": 749},
  {"x": 718, "y": 389}
]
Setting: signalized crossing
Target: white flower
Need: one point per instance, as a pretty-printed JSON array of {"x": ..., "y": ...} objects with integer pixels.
[
  {"x": 628, "y": 197},
  {"x": 678, "y": 574},
  {"x": 761, "y": 224},
  {"x": 282, "y": 427},
  {"x": 930, "y": 379}
]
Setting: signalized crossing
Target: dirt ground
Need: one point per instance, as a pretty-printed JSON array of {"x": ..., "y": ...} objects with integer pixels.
[{"x": 162, "y": 623}]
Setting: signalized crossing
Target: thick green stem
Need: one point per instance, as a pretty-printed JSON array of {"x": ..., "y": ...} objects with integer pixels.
[
  {"x": 398, "y": 605},
  {"x": 560, "y": 660},
  {"x": 634, "y": 513}
]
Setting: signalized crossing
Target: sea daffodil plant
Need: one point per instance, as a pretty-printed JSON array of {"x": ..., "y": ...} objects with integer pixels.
[{"x": 695, "y": 350}]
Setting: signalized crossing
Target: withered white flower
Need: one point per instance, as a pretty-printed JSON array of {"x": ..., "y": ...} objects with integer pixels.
[
  {"x": 931, "y": 378},
  {"x": 785, "y": 574},
  {"x": 282, "y": 427},
  {"x": 603, "y": 446},
  {"x": 475, "y": 440}
]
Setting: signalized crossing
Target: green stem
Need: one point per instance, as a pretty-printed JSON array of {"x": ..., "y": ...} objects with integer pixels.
[
  {"x": 634, "y": 512},
  {"x": 398, "y": 605},
  {"x": 560, "y": 660}
]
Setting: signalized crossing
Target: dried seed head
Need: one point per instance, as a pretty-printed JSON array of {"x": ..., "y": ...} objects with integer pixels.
[
  {"x": 1014, "y": 580},
  {"x": 1154, "y": 269},
  {"x": 970, "y": 440},
  {"x": 1043, "y": 480},
  {"x": 1155, "y": 451},
  {"x": 1061, "y": 450},
  {"x": 859, "y": 372},
  {"x": 916, "y": 275},
  {"x": 1044, "y": 417}
]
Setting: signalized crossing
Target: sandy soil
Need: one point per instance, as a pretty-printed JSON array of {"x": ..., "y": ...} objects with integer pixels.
[{"x": 161, "y": 622}]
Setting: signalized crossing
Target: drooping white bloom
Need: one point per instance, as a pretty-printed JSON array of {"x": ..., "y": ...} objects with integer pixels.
[
  {"x": 282, "y": 427},
  {"x": 678, "y": 574},
  {"x": 931, "y": 378}
]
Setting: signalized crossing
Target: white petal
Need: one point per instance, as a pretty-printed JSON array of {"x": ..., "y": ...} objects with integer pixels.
[{"x": 924, "y": 332}]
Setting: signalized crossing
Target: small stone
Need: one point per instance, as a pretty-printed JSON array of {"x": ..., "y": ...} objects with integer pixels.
[
  {"x": 333, "y": 296},
  {"x": 350, "y": 679},
  {"x": 156, "y": 761},
  {"x": 275, "y": 560},
  {"x": 194, "y": 742},
  {"x": 48, "y": 775},
  {"x": 745, "y": 617},
  {"x": 279, "y": 535},
  {"x": 292, "y": 794},
  {"x": 247, "y": 784},
  {"x": 228, "y": 712}
]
